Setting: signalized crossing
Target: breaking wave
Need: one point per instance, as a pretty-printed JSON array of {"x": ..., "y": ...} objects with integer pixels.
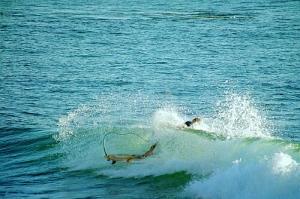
[
  {"x": 274, "y": 176},
  {"x": 230, "y": 154}
]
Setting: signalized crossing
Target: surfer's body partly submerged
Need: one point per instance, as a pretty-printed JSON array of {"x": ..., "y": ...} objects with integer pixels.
[
  {"x": 194, "y": 121},
  {"x": 128, "y": 157}
]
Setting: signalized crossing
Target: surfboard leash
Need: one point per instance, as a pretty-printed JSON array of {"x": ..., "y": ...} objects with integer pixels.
[{"x": 106, "y": 134}]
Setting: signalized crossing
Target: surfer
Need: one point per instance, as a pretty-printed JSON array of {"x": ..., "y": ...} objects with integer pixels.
[{"x": 196, "y": 120}]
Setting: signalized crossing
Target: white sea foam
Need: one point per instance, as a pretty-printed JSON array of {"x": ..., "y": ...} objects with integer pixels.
[
  {"x": 234, "y": 168},
  {"x": 262, "y": 179},
  {"x": 236, "y": 116},
  {"x": 167, "y": 117},
  {"x": 283, "y": 164}
]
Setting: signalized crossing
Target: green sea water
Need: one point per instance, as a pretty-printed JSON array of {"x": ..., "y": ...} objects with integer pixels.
[{"x": 72, "y": 72}]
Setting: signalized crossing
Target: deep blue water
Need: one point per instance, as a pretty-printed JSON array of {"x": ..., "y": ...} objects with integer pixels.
[{"x": 70, "y": 72}]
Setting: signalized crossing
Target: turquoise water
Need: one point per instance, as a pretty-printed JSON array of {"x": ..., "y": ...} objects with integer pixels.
[{"x": 72, "y": 72}]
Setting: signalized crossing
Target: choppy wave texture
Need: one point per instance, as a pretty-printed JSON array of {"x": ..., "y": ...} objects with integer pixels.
[{"x": 231, "y": 154}]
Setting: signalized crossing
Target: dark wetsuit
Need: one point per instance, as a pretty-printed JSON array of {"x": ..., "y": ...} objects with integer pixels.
[{"x": 188, "y": 123}]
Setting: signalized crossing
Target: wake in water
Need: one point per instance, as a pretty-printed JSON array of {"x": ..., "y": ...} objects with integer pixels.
[{"x": 231, "y": 154}]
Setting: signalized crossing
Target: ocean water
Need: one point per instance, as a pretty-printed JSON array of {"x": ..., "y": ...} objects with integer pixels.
[{"x": 76, "y": 74}]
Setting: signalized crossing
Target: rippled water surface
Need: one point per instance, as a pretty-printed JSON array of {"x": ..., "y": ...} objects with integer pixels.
[{"x": 73, "y": 72}]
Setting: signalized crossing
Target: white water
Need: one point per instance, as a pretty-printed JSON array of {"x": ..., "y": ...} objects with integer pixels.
[
  {"x": 245, "y": 162},
  {"x": 276, "y": 176}
]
